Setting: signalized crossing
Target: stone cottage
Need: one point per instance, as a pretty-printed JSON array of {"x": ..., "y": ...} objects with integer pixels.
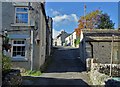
[
  {"x": 100, "y": 44},
  {"x": 26, "y": 25},
  {"x": 60, "y": 39}
]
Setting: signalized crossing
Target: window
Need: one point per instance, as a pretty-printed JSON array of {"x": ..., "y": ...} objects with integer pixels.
[
  {"x": 21, "y": 15},
  {"x": 18, "y": 49}
]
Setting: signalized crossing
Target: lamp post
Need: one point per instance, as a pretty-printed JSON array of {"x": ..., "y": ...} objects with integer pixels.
[{"x": 112, "y": 44}]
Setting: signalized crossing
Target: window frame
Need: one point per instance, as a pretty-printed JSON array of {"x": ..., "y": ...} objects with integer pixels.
[
  {"x": 16, "y": 57},
  {"x": 21, "y": 13}
]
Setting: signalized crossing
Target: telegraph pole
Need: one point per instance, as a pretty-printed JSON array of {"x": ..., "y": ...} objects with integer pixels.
[{"x": 84, "y": 15}]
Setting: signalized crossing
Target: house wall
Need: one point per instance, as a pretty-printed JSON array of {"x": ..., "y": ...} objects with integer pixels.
[
  {"x": 50, "y": 21},
  {"x": 83, "y": 51},
  {"x": 43, "y": 38},
  {"x": 98, "y": 44},
  {"x": 55, "y": 42},
  {"x": 36, "y": 46},
  {"x": 100, "y": 48},
  {"x": 59, "y": 41},
  {"x": 67, "y": 41},
  {"x": 61, "y": 38},
  {"x": 7, "y": 15},
  {"x": 102, "y": 51},
  {"x": 71, "y": 39},
  {"x": 39, "y": 34}
]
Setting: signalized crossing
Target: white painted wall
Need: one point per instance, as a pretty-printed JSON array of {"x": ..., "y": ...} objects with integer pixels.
[
  {"x": 74, "y": 37},
  {"x": 71, "y": 39}
]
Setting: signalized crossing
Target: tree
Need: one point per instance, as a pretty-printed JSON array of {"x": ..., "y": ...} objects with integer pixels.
[
  {"x": 104, "y": 22},
  {"x": 94, "y": 20},
  {"x": 90, "y": 20}
]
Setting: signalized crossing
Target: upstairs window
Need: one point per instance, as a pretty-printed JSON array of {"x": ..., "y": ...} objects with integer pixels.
[{"x": 21, "y": 15}]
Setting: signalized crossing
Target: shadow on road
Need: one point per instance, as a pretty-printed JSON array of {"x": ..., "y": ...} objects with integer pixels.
[
  {"x": 45, "y": 82},
  {"x": 112, "y": 83},
  {"x": 65, "y": 59},
  {"x": 62, "y": 71}
]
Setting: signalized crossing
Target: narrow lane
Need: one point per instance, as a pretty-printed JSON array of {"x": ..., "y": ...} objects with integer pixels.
[
  {"x": 65, "y": 69},
  {"x": 66, "y": 60}
]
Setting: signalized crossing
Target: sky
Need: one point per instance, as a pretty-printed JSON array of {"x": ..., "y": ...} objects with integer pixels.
[{"x": 66, "y": 14}]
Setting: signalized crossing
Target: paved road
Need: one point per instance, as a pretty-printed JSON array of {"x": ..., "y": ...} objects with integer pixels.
[{"x": 65, "y": 69}]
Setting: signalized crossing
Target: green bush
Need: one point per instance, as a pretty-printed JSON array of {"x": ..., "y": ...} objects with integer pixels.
[
  {"x": 32, "y": 73},
  {"x": 77, "y": 41},
  {"x": 6, "y": 63}
]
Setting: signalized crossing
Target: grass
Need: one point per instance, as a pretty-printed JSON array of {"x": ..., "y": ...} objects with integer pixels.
[{"x": 31, "y": 73}]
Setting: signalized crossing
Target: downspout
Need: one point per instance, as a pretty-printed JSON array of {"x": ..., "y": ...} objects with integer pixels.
[
  {"x": 31, "y": 49},
  {"x": 31, "y": 41}
]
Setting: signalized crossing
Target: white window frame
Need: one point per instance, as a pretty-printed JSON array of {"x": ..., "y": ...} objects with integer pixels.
[
  {"x": 21, "y": 13},
  {"x": 18, "y": 45}
]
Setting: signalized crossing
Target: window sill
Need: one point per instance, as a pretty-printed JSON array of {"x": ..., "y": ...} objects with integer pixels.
[
  {"x": 20, "y": 24},
  {"x": 19, "y": 60}
]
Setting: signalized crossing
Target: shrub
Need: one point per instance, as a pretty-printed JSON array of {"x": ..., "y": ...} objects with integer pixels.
[
  {"x": 6, "y": 63},
  {"x": 32, "y": 73},
  {"x": 77, "y": 41}
]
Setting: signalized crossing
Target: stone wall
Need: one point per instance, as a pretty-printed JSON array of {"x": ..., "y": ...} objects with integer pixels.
[
  {"x": 96, "y": 77},
  {"x": 105, "y": 68},
  {"x": 102, "y": 51},
  {"x": 99, "y": 73},
  {"x": 11, "y": 78}
]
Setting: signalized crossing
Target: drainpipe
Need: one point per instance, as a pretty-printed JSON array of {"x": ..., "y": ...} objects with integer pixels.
[
  {"x": 31, "y": 33},
  {"x": 112, "y": 44},
  {"x": 31, "y": 49}
]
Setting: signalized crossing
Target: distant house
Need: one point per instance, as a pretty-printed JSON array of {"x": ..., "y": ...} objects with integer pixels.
[
  {"x": 70, "y": 40},
  {"x": 97, "y": 43},
  {"x": 60, "y": 39},
  {"x": 26, "y": 25}
]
